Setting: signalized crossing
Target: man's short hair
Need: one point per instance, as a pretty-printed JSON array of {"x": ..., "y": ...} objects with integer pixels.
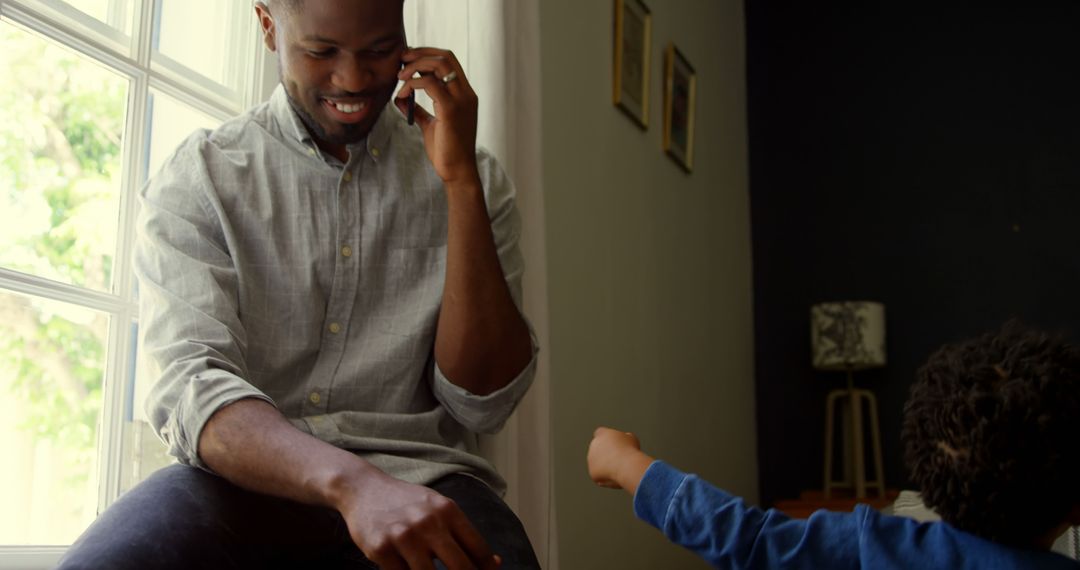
[
  {"x": 992, "y": 434},
  {"x": 290, "y": 6}
]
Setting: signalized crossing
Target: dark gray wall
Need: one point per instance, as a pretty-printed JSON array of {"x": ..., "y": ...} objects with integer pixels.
[{"x": 925, "y": 156}]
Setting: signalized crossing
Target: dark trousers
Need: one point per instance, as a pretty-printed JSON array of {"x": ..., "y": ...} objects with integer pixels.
[{"x": 182, "y": 517}]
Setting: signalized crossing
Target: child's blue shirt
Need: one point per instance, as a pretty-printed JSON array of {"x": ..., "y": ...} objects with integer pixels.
[{"x": 728, "y": 534}]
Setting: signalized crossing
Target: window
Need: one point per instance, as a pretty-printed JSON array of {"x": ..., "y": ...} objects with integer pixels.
[{"x": 96, "y": 94}]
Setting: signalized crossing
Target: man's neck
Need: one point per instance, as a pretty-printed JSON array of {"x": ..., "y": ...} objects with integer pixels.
[{"x": 338, "y": 151}]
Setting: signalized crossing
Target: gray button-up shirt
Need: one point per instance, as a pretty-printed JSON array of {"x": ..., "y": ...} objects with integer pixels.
[{"x": 269, "y": 270}]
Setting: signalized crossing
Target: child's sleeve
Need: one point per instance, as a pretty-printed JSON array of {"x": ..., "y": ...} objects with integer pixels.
[{"x": 720, "y": 528}]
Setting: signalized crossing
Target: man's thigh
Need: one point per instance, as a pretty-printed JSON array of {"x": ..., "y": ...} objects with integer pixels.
[
  {"x": 182, "y": 517},
  {"x": 492, "y": 518}
]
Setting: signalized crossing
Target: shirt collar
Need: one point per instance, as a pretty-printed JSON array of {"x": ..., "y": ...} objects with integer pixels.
[{"x": 292, "y": 127}]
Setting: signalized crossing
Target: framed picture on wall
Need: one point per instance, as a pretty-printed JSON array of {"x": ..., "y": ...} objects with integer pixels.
[
  {"x": 680, "y": 90},
  {"x": 633, "y": 30}
]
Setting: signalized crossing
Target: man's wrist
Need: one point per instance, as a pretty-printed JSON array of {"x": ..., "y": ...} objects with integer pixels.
[
  {"x": 468, "y": 181},
  {"x": 341, "y": 481}
]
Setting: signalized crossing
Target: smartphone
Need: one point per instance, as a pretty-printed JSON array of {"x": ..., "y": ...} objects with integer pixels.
[{"x": 411, "y": 114}]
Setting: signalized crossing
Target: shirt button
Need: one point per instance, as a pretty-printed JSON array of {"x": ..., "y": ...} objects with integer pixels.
[
  {"x": 335, "y": 328},
  {"x": 347, "y": 176},
  {"x": 346, "y": 251},
  {"x": 375, "y": 152},
  {"x": 314, "y": 397},
  {"x": 311, "y": 151}
]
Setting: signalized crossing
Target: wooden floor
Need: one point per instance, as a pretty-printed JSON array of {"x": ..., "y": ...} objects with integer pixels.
[{"x": 844, "y": 501}]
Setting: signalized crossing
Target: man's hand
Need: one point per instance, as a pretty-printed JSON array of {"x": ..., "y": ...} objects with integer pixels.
[
  {"x": 449, "y": 134},
  {"x": 401, "y": 525},
  {"x": 396, "y": 524},
  {"x": 482, "y": 341},
  {"x": 615, "y": 459}
]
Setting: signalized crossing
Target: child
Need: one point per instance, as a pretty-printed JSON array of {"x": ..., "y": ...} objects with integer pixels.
[{"x": 992, "y": 437}]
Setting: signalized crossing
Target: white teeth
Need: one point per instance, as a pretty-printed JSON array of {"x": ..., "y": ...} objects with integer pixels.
[{"x": 347, "y": 108}]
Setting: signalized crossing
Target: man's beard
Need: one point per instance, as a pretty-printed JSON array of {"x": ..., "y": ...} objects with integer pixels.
[{"x": 350, "y": 134}]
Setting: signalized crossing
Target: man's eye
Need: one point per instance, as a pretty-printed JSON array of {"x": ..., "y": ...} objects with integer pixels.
[{"x": 320, "y": 53}]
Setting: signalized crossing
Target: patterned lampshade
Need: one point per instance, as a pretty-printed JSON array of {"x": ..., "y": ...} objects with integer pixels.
[{"x": 848, "y": 335}]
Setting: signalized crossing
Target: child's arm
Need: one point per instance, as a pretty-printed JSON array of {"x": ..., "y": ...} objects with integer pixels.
[
  {"x": 716, "y": 525},
  {"x": 616, "y": 460}
]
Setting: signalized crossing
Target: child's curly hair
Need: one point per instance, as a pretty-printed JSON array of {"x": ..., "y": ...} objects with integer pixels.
[{"x": 992, "y": 434}]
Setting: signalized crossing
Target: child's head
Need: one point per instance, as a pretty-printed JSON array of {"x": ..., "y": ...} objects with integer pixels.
[{"x": 992, "y": 434}]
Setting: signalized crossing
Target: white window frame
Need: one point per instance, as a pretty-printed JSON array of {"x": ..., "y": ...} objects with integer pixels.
[{"x": 134, "y": 58}]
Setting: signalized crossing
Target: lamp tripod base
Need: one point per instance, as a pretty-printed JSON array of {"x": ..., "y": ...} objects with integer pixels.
[{"x": 852, "y": 403}]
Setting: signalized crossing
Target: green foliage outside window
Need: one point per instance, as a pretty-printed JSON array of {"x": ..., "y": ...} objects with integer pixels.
[{"x": 61, "y": 122}]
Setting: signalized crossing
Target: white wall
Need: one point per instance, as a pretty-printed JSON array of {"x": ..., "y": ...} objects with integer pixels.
[{"x": 649, "y": 272}]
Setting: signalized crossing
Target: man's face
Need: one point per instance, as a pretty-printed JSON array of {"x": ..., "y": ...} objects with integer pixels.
[{"x": 338, "y": 61}]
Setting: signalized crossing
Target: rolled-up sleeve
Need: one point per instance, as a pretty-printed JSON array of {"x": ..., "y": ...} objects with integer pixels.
[
  {"x": 192, "y": 341},
  {"x": 488, "y": 413}
]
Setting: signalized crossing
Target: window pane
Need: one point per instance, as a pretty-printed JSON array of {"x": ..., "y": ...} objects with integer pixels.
[
  {"x": 170, "y": 123},
  {"x": 60, "y": 169},
  {"x": 117, "y": 14},
  {"x": 52, "y": 361},
  {"x": 144, "y": 450},
  {"x": 202, "y": 36}
]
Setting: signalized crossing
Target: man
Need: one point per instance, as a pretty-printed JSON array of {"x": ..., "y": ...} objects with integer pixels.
[{"x": 331, "y": 298}]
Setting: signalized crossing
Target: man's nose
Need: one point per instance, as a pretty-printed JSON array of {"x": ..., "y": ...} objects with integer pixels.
[{"x": 352, "y": 74}]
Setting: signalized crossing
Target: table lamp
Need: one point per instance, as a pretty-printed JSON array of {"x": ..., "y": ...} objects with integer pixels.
[{"x": 848, "y": 336}]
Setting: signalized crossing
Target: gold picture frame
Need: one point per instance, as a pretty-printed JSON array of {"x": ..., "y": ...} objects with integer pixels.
[
  {"x": 680, "y": 93},
  {"x": 633, "y": 35}
]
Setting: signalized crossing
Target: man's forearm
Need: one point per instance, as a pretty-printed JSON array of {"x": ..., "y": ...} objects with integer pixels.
[
  {"x": 252, "y": 445},
  {"x": 482, "y": 342},
  {"x": 249, "y": 443}
]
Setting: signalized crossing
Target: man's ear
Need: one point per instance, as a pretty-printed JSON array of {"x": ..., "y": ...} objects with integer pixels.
[{"x": 266, "y": 22}]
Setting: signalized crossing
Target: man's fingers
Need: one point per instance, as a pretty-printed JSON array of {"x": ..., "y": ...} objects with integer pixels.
[
  {"x": 430, "y": 84},
  {"x": 418, "y": 559},
  {"x": 420, "y": 114},
  {"x": 451, "y": 555},
  {"x": 471, "y": 542},
  {"x": 438, "y": 68},
  {"x": 416, "y": 53},
  {"x": 389, "y": 561},
  {"x": 423, "y": 117}
]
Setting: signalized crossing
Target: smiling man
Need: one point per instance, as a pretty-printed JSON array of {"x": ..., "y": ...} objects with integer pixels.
[{"x": 330, "y": 308}]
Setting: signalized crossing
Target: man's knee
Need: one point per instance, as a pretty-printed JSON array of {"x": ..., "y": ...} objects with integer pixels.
[
  {"x": 165, "y": 520},
  {"x": 493, "y": 519}
]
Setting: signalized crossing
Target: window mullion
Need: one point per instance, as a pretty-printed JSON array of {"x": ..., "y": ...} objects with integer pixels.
[
  {"x": 30, "y": 557},
  {"x": 66, "y": 26},
  {"x": 41, "y": 287},
  {"x": 142, "y": 35},
  {"x": 61, "y": 34},
  {"x": 118, "y": 13},
  {"x": 212, "y": 107},
  {"x": 167, "y": 71},
  {"x": 117, "y": 383},
  {"x": 113, "y": 412}
]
